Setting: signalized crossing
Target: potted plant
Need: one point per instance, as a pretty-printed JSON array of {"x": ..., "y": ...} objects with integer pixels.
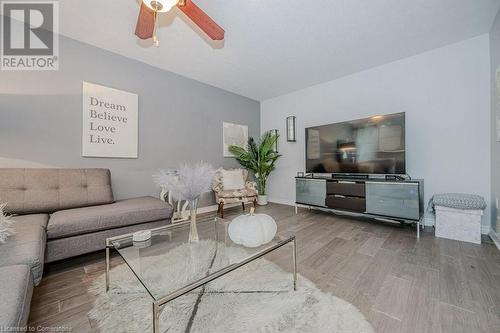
[{"x": 260, "y": 158}]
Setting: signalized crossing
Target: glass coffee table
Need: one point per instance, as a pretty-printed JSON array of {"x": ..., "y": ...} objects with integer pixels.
[{"x": 177, "y": 275}]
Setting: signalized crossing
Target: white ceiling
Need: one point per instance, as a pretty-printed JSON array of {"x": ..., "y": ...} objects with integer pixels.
[{"x": 273, "y": 47}]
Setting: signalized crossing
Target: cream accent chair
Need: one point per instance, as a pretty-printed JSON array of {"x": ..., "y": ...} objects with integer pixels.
[{"x": 246, "y": 194}]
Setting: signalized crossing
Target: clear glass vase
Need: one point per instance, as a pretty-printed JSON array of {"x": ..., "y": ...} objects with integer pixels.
[{"x": 193, "y": 231}]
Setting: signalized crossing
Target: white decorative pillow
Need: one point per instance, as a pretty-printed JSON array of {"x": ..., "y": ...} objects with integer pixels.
[
  {"x": 6, "y": 224},
  {"x": 232, "y": 179}
]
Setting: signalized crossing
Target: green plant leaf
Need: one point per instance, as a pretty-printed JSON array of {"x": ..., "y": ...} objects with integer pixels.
[{"x": 258, "y": 157}]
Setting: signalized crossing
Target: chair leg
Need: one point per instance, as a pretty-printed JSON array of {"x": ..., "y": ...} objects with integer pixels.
[
  {"x": 243, "y": 205},
  {"x": 255, "y": 204},
  {"x": 221, "y": 205}
]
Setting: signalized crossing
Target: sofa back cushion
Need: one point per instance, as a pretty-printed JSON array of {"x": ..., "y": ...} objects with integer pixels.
[{"x": 28, "y": 191}]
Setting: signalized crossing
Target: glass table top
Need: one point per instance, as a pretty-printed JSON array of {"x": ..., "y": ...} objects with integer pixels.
[{"x": 168, "y": 262}]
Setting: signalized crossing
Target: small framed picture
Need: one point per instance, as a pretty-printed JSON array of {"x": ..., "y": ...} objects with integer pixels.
[
  {"x": 233, "y": 134},
  {"x": 498, "y": 127},
  {"x": 498, "y": 86},
  {"x": 498, "y": 103}
]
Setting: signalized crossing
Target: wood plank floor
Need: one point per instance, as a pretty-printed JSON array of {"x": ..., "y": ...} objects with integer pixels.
[{"x": 399, "y": 283}]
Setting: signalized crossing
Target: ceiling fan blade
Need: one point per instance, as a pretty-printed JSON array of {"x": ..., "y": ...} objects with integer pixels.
[
  {"x": 212, "y": 29},
  {"x": 145, "y": 22}
]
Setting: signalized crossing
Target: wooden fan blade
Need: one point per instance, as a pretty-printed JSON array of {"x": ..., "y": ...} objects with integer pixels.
[
  {"x": 201, "y": 19},
  {"x": 145, "y": 22}
]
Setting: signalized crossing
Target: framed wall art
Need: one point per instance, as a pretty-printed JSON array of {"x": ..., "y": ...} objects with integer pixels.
[
  {"x": 109, "y": 122},
  {"x": 233, "y": 134}
]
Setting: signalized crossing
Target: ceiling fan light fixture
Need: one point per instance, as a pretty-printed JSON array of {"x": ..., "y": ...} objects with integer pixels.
[
  {"x": 160, "y": 6},
  {"x": 147, "y": 21}
]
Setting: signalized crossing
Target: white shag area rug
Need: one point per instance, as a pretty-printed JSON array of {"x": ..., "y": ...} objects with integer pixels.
[{"x": 258, "y": 297}]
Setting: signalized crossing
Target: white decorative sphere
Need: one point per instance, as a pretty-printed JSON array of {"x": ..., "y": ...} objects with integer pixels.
[{"x": 252, "y": 230}]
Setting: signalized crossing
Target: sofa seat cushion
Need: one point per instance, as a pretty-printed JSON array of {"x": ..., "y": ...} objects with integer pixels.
[
  {"x": 244, "y": 192},
  {"x": 62, "y": 248},
  {"x": 79, "y": 221},
  {"x": 27, "y": 245},
  {"x": 16, "y": 289},
  {"x": 24, "y": 222}
]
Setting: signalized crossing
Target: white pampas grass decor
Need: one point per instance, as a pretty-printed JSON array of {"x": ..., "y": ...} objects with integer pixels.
[
  {"x": 188, "y": 182},
  {"x": 6, "y": 224},
  {"x": 164, "y": 178}
]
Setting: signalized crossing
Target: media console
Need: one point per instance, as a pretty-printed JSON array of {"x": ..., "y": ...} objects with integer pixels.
[{"x": 389, "y": 200}]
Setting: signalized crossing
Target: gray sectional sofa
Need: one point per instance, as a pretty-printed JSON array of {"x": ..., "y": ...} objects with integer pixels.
[{"x": 60, "y": 213}]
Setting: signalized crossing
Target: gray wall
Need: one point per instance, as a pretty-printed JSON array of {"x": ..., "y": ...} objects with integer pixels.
[
  {"x": 495, "y": 108},
  {"x": 179, "y": 119},
  {"x": 445, "y": 93}
]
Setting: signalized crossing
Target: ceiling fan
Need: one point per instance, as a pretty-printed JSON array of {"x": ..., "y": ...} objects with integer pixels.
[{"x": 147, "y": 22}]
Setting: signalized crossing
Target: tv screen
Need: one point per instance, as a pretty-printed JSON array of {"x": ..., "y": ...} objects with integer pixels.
[{"x": 374, "y": 145}]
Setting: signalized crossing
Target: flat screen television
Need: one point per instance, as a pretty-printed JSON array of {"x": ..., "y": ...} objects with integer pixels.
[{"x": 374, "y": 145}]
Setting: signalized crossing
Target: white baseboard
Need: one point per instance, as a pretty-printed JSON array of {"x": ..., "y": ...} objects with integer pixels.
[
  {"x": 495, "y": 239},
  {"x": 282, "y": 201},
  {"x": 205, "y": 210},
  {"x": 213, "y": 208}
]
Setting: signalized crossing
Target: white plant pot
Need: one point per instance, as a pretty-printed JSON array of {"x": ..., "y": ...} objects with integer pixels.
[{"x": 262, "y": 200}]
